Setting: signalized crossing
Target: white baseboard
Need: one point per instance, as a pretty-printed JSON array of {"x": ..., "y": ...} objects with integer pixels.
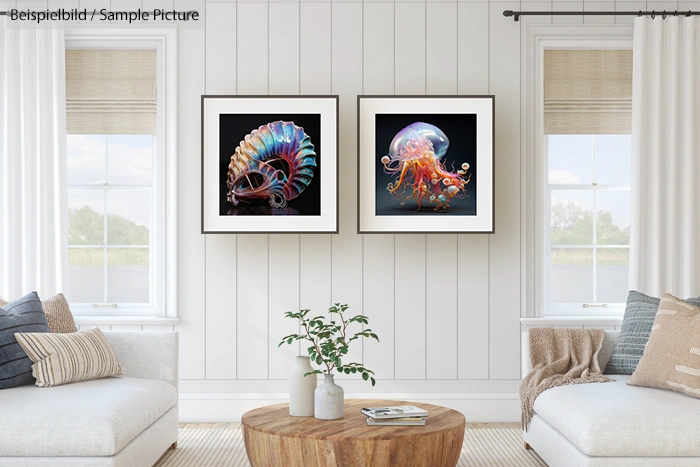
[{"x": 229, "y": 407}]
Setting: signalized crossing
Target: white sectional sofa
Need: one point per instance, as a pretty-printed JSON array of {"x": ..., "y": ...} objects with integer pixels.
[
  {"x": 612, "y": 424},
  {"x": 127, "y": 421}
]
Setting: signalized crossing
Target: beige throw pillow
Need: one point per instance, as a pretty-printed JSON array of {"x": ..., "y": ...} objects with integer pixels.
[
  {"x": 57, "y": 312},
  {"x": 671, "y": 358},
  {"x": 68, "y": 358}
]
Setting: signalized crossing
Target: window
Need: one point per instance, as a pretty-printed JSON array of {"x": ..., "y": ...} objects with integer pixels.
[
  {"x": 121, "y": 173},
  {"x": 578, "y": 177},
  {"x": 588, "y": 196},
  {"x": 110, "y": 219}
]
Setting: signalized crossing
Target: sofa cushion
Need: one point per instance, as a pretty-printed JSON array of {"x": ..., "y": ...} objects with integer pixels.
[
  {"x": 617, "y": 420},
  {"x": 671, "y": 359},
  {"x": 69, "y": 357},
  {"x": 90, "y": 418},
  {"x": 634, "y": 335},
  {"x": 23, "y": 315}
]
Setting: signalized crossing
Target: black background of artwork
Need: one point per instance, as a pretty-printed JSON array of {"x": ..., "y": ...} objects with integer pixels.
[
  {"x": 460, "y": 130},
  {"x": 234, "y": 127}
]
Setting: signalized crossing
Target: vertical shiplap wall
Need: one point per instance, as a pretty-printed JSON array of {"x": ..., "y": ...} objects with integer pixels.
[
  {"x": 446, "y": 306},
  {"x": 473, "y": 250},
  {"x": 441, "y": 253},
  {"x": 191, "y": 244},
  {"x": 346, "y": 81}
]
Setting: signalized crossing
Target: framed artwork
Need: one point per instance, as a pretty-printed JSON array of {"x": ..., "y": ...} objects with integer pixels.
[
  {"x": 269, "y": 164},
  {"x": 425, "y": 164}
]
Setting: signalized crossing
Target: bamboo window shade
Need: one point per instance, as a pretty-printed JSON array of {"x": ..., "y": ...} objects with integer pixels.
[
  {"x": 111, "y": 91},
  {"x": 587, "y": 91}
]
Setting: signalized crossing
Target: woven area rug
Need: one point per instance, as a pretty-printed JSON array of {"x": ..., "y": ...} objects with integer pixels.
[{"x": 223, "y": 447}]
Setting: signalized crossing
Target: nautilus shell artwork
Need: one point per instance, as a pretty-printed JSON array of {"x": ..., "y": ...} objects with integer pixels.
[
  {"x": 415, "y": 159},
  {"x": 272, "y": 165}
]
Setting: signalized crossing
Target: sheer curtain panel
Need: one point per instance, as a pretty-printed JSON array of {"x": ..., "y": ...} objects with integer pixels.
[
  {"x": 33, "y": 206},
  {"x": 665, "y": 219}
]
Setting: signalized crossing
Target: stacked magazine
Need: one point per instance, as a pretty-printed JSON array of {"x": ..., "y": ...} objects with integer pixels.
[{"x": 403, "y": 415}]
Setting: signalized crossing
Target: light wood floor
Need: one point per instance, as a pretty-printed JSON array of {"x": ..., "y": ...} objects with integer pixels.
[{"x": 206, "y": 426}]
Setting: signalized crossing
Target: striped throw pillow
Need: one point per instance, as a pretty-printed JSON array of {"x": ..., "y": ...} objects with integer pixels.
[
  {"x": 68, "y": 358},
  {"x": 23, "y": 315},
  {"x": 671, "y": 359},
  {"x": 58, "y": 313}
]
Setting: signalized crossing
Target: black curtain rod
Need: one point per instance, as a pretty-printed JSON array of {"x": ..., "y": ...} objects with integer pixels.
[{"x": 517, "y": 14}]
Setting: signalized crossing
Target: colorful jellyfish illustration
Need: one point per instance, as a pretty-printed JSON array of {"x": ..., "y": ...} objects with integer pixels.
[
  {"x": 414, "y": 159},
  {"x": 272, "y": 165}
]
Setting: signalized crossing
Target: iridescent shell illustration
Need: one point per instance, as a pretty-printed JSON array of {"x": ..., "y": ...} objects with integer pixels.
[
  {"x": 273, "y": 164},
  {"x": 414, "y": 158}
]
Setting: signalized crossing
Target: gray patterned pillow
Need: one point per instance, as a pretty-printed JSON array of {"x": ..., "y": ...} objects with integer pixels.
[
  {"x": 634, "y": 335},
  {"x": 23, "y": 315}
]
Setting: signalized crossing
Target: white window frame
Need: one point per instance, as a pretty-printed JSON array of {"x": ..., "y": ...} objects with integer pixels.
[
  {"x": 534, "y": 174},
  {"x": 163, "y": 247}
]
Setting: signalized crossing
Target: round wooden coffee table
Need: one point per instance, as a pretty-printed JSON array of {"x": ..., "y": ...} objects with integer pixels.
[{"x": 273, "y": 438}]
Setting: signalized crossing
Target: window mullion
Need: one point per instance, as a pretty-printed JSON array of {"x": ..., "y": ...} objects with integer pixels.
[{"x": 595, "y": 223}]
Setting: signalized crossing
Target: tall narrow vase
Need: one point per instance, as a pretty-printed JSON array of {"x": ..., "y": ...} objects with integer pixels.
[
  {"x": 329, "y": 400},
  {"x": 301, "y": 389}
]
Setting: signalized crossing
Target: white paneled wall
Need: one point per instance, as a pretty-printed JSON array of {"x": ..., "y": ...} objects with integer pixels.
[
  {"x": 191, "y": 244},
  {"x": 446, "y": 307}
]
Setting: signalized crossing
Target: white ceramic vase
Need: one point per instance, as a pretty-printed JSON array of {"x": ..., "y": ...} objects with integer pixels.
[
  {"x": 301, "y": 389},
  {"x": 329, "y": 401}
]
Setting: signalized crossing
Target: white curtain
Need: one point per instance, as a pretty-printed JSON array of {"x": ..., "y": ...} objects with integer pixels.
[
  {"x": 665, "y": 228},
  {"x": 33, "y": 205}
]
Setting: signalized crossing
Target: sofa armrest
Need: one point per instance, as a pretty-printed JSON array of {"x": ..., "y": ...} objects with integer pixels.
[{"x": 150, "y": 355}]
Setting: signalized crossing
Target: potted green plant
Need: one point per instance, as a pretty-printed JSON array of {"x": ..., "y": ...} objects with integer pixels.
[{"x": 330, "y": 341}]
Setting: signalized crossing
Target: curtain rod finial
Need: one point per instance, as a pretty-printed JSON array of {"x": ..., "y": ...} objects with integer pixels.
[{"x": 509, "y": 13}]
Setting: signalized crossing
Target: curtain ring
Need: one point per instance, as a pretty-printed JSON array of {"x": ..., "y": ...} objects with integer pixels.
[
  {"x": 640, "y": 14},
  {"x": 688, "y": 15},
  {"x": 664, "y": 15},
  {"x": 653, "y": 14},
  {"x": 675, "y": 13}
]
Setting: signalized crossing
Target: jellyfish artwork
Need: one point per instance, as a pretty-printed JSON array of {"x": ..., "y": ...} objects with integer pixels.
[
  {"x": 272, "y": 165},
  {"x": 414, "y": 159}
]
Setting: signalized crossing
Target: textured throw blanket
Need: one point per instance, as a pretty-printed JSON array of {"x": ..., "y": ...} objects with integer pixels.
[{"x": 560, "y": 357}]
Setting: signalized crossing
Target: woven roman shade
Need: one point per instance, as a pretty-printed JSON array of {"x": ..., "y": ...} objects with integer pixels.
[
  {"x": 111, "y": 91},
  {"x": 587, "y": 91}
]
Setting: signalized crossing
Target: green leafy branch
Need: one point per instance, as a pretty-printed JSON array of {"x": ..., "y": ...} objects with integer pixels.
[{"x": 330, "y": 340}]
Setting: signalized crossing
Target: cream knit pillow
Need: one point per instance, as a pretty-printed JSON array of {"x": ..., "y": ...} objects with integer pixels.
[
  {"x": 68, "y": 358},
  {"x": 58, "y": 314},
  {"x": 671, "y": 359}
]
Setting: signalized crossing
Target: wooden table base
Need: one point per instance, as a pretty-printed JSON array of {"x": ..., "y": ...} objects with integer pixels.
[{"x": 272, "y": 438}]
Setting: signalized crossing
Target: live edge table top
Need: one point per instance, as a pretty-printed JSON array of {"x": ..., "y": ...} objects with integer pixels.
[{"x": 275, "y": 420}]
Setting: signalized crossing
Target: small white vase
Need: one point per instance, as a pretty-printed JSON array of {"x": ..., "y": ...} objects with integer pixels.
[
  {"x": 329, "y": 401},
  {"x": 301, "y": 389}
]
